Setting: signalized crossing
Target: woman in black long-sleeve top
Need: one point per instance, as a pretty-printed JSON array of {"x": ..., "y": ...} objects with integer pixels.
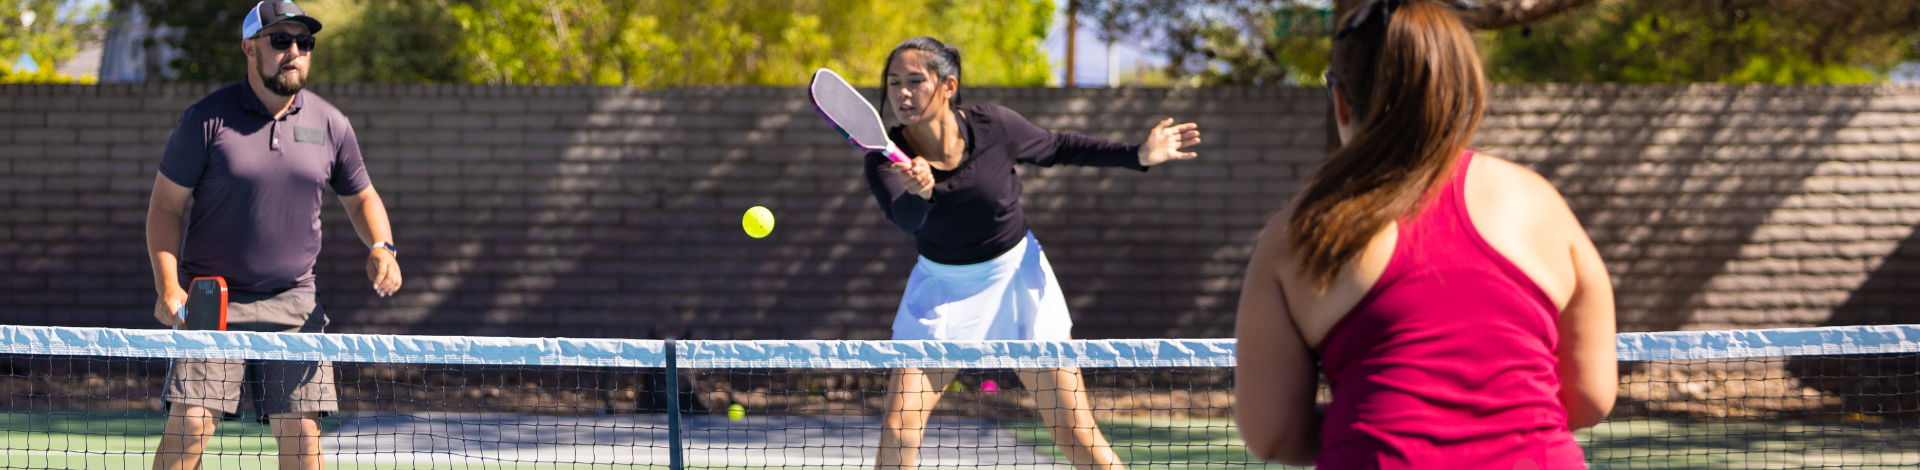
[{"x": 981, "y": 274}]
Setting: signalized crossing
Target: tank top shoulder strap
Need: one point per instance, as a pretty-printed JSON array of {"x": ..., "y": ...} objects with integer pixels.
[
  {"x": 1461, "y": 223},
  {"x": 1449, "y": 199},
  {"x": 1460, "y": 170},
  {"x": 1444, "y": 209},
  {"x": 1413, "y": 232}
]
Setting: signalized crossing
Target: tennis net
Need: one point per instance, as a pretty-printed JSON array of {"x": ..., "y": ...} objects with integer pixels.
[{"x": 1837, "y": 397}]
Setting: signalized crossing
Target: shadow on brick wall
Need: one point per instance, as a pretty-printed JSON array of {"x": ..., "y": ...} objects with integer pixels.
[
  {"x": 1891, "y": 293},
  {"x": 1877, "y": 385},
  {"x": 625, "y": 217},
  {"x": 1667, "y": 183},
  {"x": 556, "y": 211}
]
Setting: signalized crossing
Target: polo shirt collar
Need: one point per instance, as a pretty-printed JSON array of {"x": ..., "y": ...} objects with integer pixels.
[{"x": 250, "y": 102}]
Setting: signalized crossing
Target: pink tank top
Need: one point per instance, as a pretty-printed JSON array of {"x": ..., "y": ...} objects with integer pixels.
[{"x": 1448, "y": 362}]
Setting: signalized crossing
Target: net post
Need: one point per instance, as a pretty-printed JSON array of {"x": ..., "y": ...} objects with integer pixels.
[{"x": 675, "y": 459}]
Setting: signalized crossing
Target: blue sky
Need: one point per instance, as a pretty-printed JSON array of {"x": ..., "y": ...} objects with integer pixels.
[{"x": 82, "y": 4}]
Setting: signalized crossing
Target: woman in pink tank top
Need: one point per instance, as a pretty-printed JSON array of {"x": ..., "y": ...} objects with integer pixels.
[{"x": 1452, "y": 301}]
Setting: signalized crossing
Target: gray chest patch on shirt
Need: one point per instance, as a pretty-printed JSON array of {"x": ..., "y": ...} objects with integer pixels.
[{"x": 309, "y": 135}]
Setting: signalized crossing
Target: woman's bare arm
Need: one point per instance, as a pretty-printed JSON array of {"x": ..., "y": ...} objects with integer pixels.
[
  {"x": 1589, "y": 369},
  {"x": 1277, "y": 377}
]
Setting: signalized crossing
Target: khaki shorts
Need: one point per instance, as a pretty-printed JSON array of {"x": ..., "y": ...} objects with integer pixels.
[{"x": 275, "y": 386}]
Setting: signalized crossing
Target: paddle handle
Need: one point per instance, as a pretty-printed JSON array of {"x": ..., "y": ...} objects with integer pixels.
[{"x": 894, "y": 153}]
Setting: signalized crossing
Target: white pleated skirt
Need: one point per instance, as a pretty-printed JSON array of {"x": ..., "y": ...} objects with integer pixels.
[{"x": 1012, "y": 297}]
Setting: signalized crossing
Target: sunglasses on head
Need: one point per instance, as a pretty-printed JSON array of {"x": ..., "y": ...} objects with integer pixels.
[
  {"x": 1375, "y": 11},
  {"x": 281, "y": 41}
]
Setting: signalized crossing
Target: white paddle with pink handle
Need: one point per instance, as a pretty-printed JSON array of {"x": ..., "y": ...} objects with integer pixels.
[{"x": 851, "y": 114}]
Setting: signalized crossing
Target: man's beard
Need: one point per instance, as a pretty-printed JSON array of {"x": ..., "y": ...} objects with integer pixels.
[{"x": 283, "y": 83}]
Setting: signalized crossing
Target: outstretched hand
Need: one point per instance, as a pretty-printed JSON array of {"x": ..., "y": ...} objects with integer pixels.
[{"x": 1166, "y": 141}]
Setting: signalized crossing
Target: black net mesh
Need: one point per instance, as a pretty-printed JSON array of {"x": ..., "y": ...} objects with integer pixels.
[
  {"x": 1849, "y": 411},
  {"x": 1819, "y": 411}
]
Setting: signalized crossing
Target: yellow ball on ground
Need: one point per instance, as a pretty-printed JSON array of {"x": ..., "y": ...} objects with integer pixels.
[
  {"x": 736, "y": 412},
  {"x": 758, "y": 222}
]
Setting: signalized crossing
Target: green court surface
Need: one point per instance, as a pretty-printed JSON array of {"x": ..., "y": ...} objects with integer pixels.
[
  {"x": 115, "y": 440},
  {"x": 1161, "y": 443},
  {"x": 1742, "y": 444},
  {"x": 1636, "y": 444},
  {"x": 120, "y": 439},
  {"x": 125, "y": 440}
]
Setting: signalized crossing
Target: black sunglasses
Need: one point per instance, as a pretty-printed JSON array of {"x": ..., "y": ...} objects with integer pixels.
[{"x": 281, "y": 41}]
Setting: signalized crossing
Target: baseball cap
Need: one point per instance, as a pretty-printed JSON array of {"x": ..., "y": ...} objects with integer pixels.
[{"x": 271, "y": 12}]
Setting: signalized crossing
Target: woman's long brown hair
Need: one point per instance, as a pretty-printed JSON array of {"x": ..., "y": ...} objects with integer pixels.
[{"x": 1414, "y": 83}]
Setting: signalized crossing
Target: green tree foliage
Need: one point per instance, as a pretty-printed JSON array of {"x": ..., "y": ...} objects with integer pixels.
[
  {"x": 60, "y": 28},
  {"x": 1744, "y": 41},
  {"x": 1223, "y": 42},
  {"x": 1295, "y": 52},
  {"x": 670, "y": 43},
  {"x": 209, "y": 41},
  {"x": 386, "y": 42},
  {"x": 643, "y": 43},
  {"x": 45, "y": 75},
  {"x": 362, "y": 40},
  {"x": 1262, "y": 42}
]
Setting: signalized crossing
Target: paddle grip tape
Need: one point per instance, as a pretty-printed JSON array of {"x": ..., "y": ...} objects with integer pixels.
[{"x": 894, "y": 153}]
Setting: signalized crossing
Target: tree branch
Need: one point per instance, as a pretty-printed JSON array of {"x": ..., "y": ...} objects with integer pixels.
[{"x": 1496, "y": 14}]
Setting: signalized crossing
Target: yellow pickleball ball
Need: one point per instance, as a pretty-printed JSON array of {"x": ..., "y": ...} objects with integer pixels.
[
  {"x": 758, "y": 222},
  {"x": 736, "y": 412}
]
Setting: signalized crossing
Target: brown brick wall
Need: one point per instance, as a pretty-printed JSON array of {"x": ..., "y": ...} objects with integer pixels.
[
  {"x": 1723, "y": 207},
  {"x": 529, "y": 211}
]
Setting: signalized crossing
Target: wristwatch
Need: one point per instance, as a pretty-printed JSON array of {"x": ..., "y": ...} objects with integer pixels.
[{"x": 387, "y": 245}]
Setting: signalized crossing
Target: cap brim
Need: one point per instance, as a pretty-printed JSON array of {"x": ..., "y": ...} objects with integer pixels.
[{"x": 313, "y": 25}]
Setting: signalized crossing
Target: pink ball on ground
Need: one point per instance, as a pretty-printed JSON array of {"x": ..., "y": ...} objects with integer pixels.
[{"x": 989, "y": 387}]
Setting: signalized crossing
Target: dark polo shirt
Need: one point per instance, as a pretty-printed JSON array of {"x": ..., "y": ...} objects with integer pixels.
[{"x": 258, "y": 184}]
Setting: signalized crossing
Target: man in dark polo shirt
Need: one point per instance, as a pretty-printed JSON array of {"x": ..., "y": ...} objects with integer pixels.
[{"x": 246, "y": 171}]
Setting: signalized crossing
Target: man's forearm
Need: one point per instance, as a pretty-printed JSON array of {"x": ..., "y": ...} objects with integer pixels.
[
  {"x": 163, "y": 247},
  {"x": 369, "y": 217}
]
